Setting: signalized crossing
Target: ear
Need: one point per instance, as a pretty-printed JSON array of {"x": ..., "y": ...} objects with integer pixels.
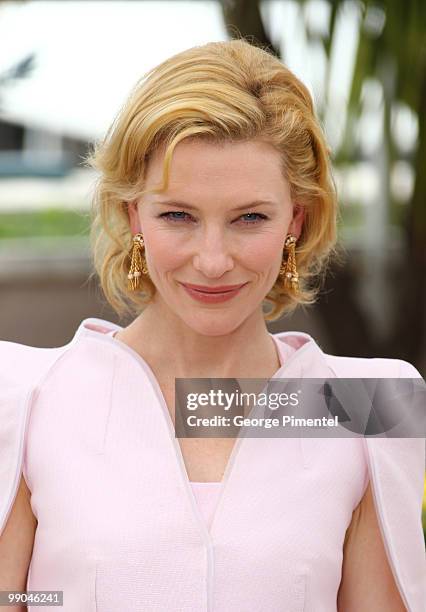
[
  {"x": 132, "y": 208},
  {"x": 297, "y": 220}
]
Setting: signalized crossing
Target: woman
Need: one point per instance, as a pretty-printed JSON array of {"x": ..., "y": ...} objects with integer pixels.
[{"x": 99, "y": 499}]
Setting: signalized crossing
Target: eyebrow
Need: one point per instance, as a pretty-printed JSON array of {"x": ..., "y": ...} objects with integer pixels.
[{"x": 191, "y": 207}]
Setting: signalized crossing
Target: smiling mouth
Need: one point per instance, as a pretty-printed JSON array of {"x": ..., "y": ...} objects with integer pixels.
[
  {"x": 214, "y": 290},
  {"x": 213, "y": 296}
]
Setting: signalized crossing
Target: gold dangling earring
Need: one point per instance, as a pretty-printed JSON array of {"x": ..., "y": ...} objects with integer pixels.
[
  {"x": 138, "y": 264},
  {"x": 288, "y": 267}
]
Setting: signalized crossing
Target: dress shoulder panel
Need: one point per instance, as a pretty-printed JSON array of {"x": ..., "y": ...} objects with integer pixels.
[
  {"x": 22, "y": 364},
  {"x": 22, "y": 368},
  {"x": 396, "y": 468},
  {"x": 371, "y": 367}
]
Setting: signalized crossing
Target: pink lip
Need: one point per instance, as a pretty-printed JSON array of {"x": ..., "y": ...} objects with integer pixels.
[
  {"x": 215, "y": 289},
  {"x": 212, "y": 297}
]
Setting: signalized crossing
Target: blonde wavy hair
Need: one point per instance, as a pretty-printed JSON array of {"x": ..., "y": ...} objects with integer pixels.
[{"x": 220, "y": 92}]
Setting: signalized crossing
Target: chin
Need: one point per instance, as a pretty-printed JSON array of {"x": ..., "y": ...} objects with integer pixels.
[{"x": 212, "y": 324}]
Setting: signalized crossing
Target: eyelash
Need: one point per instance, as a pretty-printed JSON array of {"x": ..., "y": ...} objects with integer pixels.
[{"x": 174, "y": 220}]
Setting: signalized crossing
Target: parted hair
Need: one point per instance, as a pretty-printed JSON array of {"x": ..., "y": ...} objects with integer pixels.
[{"x": 220, "y": 92}]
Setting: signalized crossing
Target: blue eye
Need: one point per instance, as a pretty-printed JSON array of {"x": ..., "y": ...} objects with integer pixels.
[
  {"x": 183, "y": 216},
  {"x": 167, "y": 216},
  {"x": 259, "y": 216}
]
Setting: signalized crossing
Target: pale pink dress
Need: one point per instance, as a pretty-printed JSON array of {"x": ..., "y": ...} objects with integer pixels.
[
  {"x": 119, "y": 524},
  {"x": 207, "y": 494}
]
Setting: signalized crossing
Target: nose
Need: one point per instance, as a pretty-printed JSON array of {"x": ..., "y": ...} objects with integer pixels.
[{"x": 213, "y": 256}]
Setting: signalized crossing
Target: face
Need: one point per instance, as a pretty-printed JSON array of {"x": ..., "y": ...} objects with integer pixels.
[{"x": 222, "y": 222}]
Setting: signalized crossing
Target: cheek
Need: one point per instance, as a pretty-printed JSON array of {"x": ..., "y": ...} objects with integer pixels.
[
  {"x": 257, "y": 253},
  {"x": 261, "y": 254},
  {"x": 165, "y": 252}
]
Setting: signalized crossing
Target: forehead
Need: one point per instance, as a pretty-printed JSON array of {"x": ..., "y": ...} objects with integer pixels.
[{"x": 200, "y": 165}]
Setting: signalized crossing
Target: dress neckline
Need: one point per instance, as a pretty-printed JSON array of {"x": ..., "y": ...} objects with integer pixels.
[
  {"x": 213, "y": 482},
  {"x": 301, "y": 356},
  {"x": 201, "y": 485}
]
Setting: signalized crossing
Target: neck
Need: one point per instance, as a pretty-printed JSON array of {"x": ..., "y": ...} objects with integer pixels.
[{"x": 168, "y": 344}]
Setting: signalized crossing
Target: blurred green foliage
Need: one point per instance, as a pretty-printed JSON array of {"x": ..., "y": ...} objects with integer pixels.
[{"x": 53, "y": 221}]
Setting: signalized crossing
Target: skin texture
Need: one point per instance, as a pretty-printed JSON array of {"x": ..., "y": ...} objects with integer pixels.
[
  {"x": 213, "y": 246},
  {"x": 367, "y": 583},
  {"x": 16, "y": 545}
]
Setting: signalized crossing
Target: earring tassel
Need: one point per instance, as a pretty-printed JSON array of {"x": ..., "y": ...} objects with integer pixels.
[
  {"x": 289, "y": 271},
  {"x": 136, "y": 267}
]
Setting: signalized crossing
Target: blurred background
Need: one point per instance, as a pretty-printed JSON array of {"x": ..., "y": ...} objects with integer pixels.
[{"x": 65, "y": 69}]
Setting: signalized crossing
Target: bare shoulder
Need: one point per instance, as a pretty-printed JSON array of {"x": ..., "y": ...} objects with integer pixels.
[
  {"x": 367, "y": 581},
  {"x": 17, "y": 540}
]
